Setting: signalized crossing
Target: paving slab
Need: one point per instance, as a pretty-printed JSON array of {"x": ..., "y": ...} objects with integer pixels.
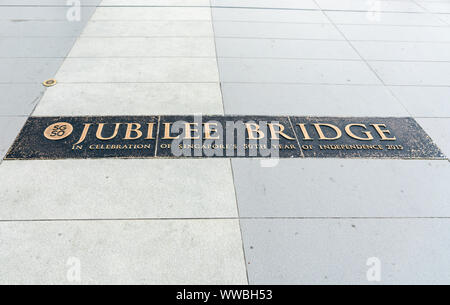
[
  {"x": 264, "y": 15},
  {"x": 345, "y": 251},
  {"x": 35, "y": 47},
  {"x": 384, "y": 18},
  {"x": 36, "y": 28},
  {"x": 286, "y": 4},
  {"x": 313, "y": 100},
  {"x": 28, "y": 70},
  {"x": 19, "y": 100},
  {"x": 413, "y": 73},
  {"x": 111, "y": 70},
  {"x": 280, "y": 48},
  {"x": 396, "y": 33},
  {"x": 37, "y": 12},
  {"x": 140, "y": 3},
  {"x": 436, "y": 7},
  {"x": 424, "y": 101},
  {"x": 401, "y": 51},
  {"x": 276, "y": 30},
  {"x": 152, "y": 13},
  {"x": 46, "y": 2},
  {"x": 10, "y": 127},
  {"x": 439, "y": 129},
  {"x": 295, "y": 71},
  {"x": 122, "y": 252},
  {"x": 148, "y": 29},
  {"x": 342, "y": 188},
  {"x": 144, "y": 47},
  {"x": 358, "y": 5},
  {"x": 131, "y": 99},
  {"x": 111, "y": 189}
]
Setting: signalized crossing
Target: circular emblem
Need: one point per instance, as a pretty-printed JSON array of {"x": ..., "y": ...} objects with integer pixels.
[
  {"x": 49, "y": 83},
  {"x": 58, "y": 131}
]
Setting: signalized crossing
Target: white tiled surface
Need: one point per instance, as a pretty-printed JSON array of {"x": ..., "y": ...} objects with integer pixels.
[
  {"x": 111, "y": 189},
  {"x": 151, "y": 13},
  {"x": 148, "y": 29},
  {"x": 122, "y": 252},
  {"x": 131, "y": 99},
  {"x": 175, "y": 221}
]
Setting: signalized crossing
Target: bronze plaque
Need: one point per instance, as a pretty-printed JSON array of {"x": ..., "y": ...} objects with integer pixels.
[{"x": 222, "y": 136}]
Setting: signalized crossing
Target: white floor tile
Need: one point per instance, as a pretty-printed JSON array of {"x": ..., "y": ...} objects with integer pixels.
[
  {"x": 144, "y": 47},
  {"x": 155, "y": 3},
  {"x": 112, "y": 189},
  {"x": 148, "y": 29},
  {"x": 259, "y": 15},
  {"x": 99, "y": 70},
  {"x": 130, "y": 99},
  {"x": 122, "y": 252},
  {"x": 152, "y": 13}
]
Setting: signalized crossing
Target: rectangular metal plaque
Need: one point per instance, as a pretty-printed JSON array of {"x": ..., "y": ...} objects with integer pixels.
[{"x": 222, "y": 136}]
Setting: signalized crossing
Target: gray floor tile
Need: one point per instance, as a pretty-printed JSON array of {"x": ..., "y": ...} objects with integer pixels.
[
  {"x": 262, "y": 15},
  {"x": 295, "y": 71},
  {"x": 28, "y": 70},
  {"x": 122, "y": 252},
  {"x": 416, "y": 51},
  {"x": 23, "y": 13},
  {"x": 276, "y": 30},
  {"x": 19, "y": 100},
  {"x": 439, "y": 130},
  {"x": 436, "y": 6},
  {"x": 275, "y": 48},
  {"x": 32, "y": 28},
  {"x": 395, "y": 33},
  {"x": 32, "y": 47},
  {"x": 413, "y": 73},
  {"x": 424, "y": 101},
  {"x": 343, "y": 188},
  {"x": 383, "y": 18},
  {"x": 9, "y": 127},
  {"x": 358, "y": 5},
  {"x": 314, "y": 100},
  {"x": 337, "y": 251}
]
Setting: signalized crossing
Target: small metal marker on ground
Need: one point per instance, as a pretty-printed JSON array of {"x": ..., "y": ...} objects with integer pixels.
[{"x": 50, "y": 82}]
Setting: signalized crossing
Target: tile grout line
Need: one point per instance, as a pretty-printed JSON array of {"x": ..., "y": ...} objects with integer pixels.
[
  {"x": 230, "y": 162},
  {"x": 230, "y": 218}
]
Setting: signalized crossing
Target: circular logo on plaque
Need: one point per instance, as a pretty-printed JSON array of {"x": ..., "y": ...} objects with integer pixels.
[{"x": 58, "y": 131}]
